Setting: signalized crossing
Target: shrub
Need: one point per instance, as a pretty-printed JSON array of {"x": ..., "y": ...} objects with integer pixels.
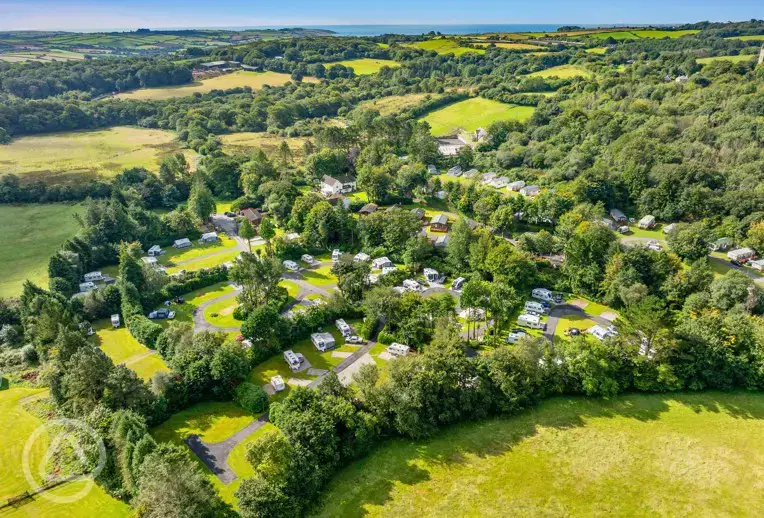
[
  {"x": 144, "y": 330},
  {"x": 252, "y": 398},
  {"x": 29, "y": 354},
  {"x": 385, "y": 338}
]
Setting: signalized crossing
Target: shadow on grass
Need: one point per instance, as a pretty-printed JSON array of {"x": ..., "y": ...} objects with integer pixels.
[{"x": 398, "y": 461}]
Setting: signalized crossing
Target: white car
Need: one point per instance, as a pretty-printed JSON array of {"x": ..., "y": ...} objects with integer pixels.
[
  {"x": 161, "y": 314},
  {"x": 354, "y": 339}
]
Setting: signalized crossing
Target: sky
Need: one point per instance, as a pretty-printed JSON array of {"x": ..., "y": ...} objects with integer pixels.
[{"x": 119, "y": 14}]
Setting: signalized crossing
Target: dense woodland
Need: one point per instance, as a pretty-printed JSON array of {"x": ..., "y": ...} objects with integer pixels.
[{"x": 690, "y": 153}]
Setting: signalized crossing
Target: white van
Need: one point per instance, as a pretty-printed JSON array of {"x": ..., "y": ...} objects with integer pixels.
[
  {"x": 531, "y": 321},
  {"x": 532, "y": 306}
]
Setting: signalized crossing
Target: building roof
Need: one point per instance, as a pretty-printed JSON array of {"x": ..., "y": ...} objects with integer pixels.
[
  {"x": 439, "y": 219},
  {"x": 183, "y": 241},
  {"x": 253, "y": 215},
  {"x": 647, "y": 219},
  {"x": 368, "y": 208}
]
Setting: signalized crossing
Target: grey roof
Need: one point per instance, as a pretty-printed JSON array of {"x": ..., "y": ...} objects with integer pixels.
[{"x": 440, "y": 219}]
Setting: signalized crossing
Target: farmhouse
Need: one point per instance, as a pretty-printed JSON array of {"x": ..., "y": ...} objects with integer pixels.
[
  {"x": 323, "y": 341},
  {"x": 741, "y": 254},
  {"x": 381, "y": 262},
  {"x": 618, "y": 216},
  {"x": 339, "y": 185},
  {"x": 439, "y": 223},
  {"x": 182, "y": 243},
  {"x": 530, "y": 190},
  {"x": 254, "y": 216},
  {"x": 155, "y": 251},
  {"x": 646, "y": 222},
  {"x": 516, "y": 185},
  {"x": 209, "y": 237},
  {"x": 367, "y": 209},
  {"x": 450, "y": 146}
]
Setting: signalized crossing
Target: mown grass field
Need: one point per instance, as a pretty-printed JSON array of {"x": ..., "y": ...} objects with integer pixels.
[
  {"x": 365, "y": 66},
  {"x": 81, "y": 155},
  {"x": 42, "y": 56},
  {"x": 474, "y": 113},
  {"x": 640, "y": 455},
  {"x": 735, "y": 59},
  {"x": 646, "y": 34},
  {"x": 596, "y": 50},
  {"x": 120, "y": 346},
  {"x": 511, "y": 46},
  {"x": 756, "y": 37},
  {"x": 29, "y": 235},
  {"x": 444, "y": 46},
  {"x": 562, "y": 71},
  {"x": 254, "y": 80},
  {"x": 250, "y": 142},
  {"x": 16, "y": 426},
  {"x": 397, "y": 103}
]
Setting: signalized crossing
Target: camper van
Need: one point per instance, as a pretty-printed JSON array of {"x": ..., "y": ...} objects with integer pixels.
[
  {"x": 457, "y": 284},
  {"x": 397, "y": 349},
  {"x": 336, "y": 254},
  {"x": 534, "y": 307},
  {"x": 431, "y": 275},
  {"x": 531, "y": 321},
  {"x": 343, "y": 327},
  {"x": 293, "y": 360},
  {"x": 542, "y": 294},
  {"x": 115, "y": 320}
]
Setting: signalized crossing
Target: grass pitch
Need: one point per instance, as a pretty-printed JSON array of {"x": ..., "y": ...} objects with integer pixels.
[
  {"x": 29, "y": 235},
  {"x": 640, "y": 455},
  {"x": 474, "y": 113}
]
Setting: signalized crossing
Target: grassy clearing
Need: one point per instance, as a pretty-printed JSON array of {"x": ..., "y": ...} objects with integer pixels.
[
  {"x": 147, "y": 366},
  {"x": 511, "y": 46},
  {"x": 249, "y": 142},
  {"x": 562, "y": 71},
  {"x": 212, "y": 421},
  {"x": 646, "y": 34},
  {"x": 321, "y": 276},
  {"x": 444, "y": 46},
  {"x": 254, "y": 80},
  {"x": 471, "y": 114},
  {"x": 596, "y": 50},
  {"x": 185, "y": 312},
  {"x": 117, "y": 343},
  {"x": 177, "y": 257},
  {"x": 683, "y": 454},
  {"x": 78, "y": 155},
  {"x": 16, "y": 426},
  {"x": 397, "y": 103},
  {"x": 735, "y": 59},
  {"x": 756, "y": 37},
  {"x": 29, "y": 235},
  {"x": 221, "y": 313},
  {"x": 365, "y": 66}
]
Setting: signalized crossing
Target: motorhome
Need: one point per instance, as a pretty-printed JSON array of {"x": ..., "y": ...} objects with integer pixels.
[
  {"x": 336, "y": 254},
  {"x": 532, "y": 307},
  {"x": 323, "y": 341},
  {"x": 431, "y": 275},
  {"x": 277, "y": 382},
  {"x": 293, "y": 360},
  {"x": 343, "y": 327},
  {"x": 115, "y": 320},
  {"x": 457, "y": 284},
  {"x": 531, "y": 321},
  {"x": 542, "y": 294}
]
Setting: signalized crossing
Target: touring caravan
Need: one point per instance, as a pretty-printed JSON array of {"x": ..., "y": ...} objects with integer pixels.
[{"x": 531, "y": 321}]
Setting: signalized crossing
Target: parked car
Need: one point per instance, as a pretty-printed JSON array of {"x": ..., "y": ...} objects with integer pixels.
[
  {"x": 735, "y": 263},
  {"x": 573, "y": 331},
  {"x": 161, "y": 314},
  {"x": 354, "y": 339},
  {"x": 230, "y": 214}
]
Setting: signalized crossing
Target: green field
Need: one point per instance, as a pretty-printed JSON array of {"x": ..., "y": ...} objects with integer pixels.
[
  {"x": 562, "y": 71},
  {"x": 474, "y": 113},
  {"x": 248, "y": 142},
  {"x": 119, "y": 345},
  {"x": 596, "y": 50},
  {"x": 511, "y": 46},
  {"x": 646, "y": 34},
  {"x": 444, "y": 46},
  {"x": 365, "y": 66},
  {"x": 254, "y": 80},
  {"x": 29, "y": 235},
  {"x": 641, "y": 455},
  {"x": 735, "y": 59},
  {"x": 756, "y": 37},
  {"x": 16, "y": 426},
  {"x": 42, "y": 56},
  {"x": 81, "y": 155},
  {"x": 397, "y": 103}
]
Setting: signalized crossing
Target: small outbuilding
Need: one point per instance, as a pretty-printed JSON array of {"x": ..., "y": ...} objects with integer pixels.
[
  {"x": 439, "y": 223},
  {"x": 367, "y": 209}
]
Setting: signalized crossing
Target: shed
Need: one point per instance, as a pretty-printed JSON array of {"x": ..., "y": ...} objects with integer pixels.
[
  {"x": 439, "y": 223},
  {"x": 368, "y": 209}
]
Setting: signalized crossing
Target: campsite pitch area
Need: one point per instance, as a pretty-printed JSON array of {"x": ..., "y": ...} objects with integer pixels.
[
  {"x": 254, "y": 80},
  {"x": 68, "y": 157},
  {"x": 29, "y": 235},
  {"x": 639, "y": 455},
  {"x": 472, "y": 114}
]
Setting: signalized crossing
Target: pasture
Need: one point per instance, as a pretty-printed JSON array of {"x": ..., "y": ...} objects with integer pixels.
[
  {"x": 81, "y": 155},
  {"x": 250, "y": 142},
  {"x": 636, "y": 455},
  {"x": 740, "y": 58},
  {"x": 562, "y": 71},
  {"x": 120, "y": 346},
  {"x": 471, "y": 114},
  {"x": 365, "y": 66},
  {"x": 756, "y": 37},
  {"x": 511, "y": 46},
  {"x": 16, "y": 426},
  {"x": 444, "y": 46},
  {"x": 29, "y": 235},
  {"x": 641, "y": 34},
  {"x": 42, "y": 56},
  {"x": 397, "y": 103},
  {"x": 240, "y": 79}
]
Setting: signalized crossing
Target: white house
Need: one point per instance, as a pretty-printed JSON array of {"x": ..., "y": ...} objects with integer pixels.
[
  {"x": 93, "y": 277},
  {"x": 397, "y": 349},
  {"x": 741, "y": 254},
  {"x": 516, "y": 185},
  {"x": 450, "y": 146},
  {"x": 381, "y": 262},
  {"x": 531, "y": 321},
  {"x": 455, "y": 171},
  {"x": 530, "y": 190},
  {"x": 209, "y": 237},
  {"x": 323, "y": 341},
  {"x": 361, "y": 257},
  {"x": 542, "y": 294},
  {"x": 182, "y": 243},
  {"x": 86, "y": 287},
  {"x": 647, "y": 222},
  {"x": 293, "y": 360},
  {"x": 431, "y": 275},
  {"x": 277, "y": 382},
  {"x": 339, "y": 185},
  {"x": 291, "y": 266},
  {"x": 155, "y": 251},
  {"x": 412, "y": 285}
]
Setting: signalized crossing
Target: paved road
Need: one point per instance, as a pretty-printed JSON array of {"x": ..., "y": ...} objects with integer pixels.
[
  {"x": 215, "y": 455},
  {"x": 201, "y": 323},
  {"x": 564, "y": 310}
]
